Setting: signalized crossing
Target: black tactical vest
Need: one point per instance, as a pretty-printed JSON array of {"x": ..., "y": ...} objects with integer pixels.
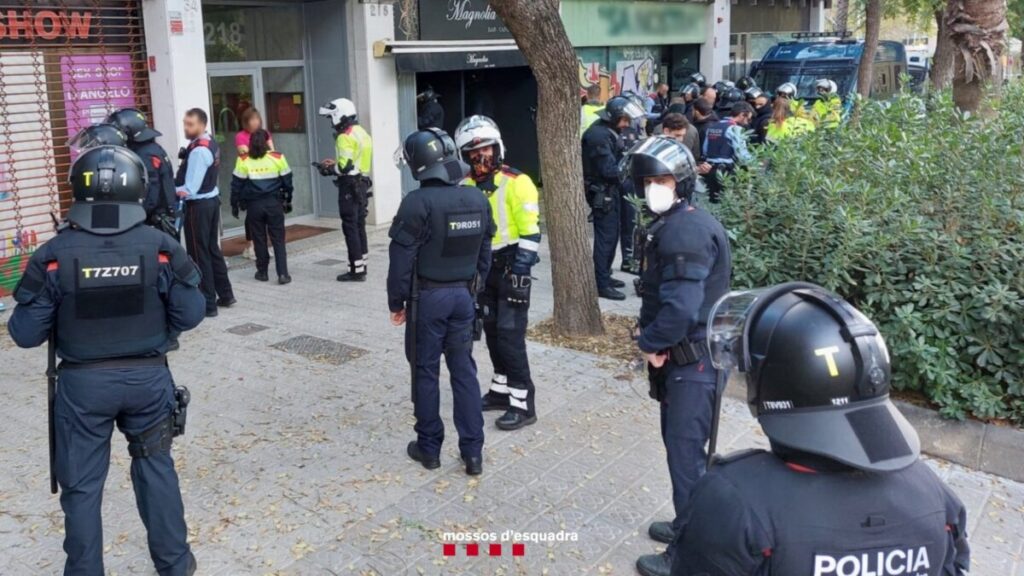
[
  {"x": 111, "y": 306},
  {"x": 458, "y": 223},
  {"x": 674, "y": 233},
  {"x": 718, "y": 149},
  {"x": 210, "y": 178},
  {"x": 848, "y": 524}
]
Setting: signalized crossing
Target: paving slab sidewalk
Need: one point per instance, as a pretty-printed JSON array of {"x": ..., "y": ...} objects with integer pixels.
[{"x": 294, "y": 459}]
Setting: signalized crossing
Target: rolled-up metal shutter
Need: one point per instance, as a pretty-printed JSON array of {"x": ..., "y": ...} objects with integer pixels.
[{"x": 64, "y": 64}]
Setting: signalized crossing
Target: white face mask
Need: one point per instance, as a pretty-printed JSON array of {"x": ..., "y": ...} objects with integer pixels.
[{"x": 659, "y": 197}]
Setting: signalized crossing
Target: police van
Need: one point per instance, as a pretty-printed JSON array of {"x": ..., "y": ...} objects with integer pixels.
[{"x": 815, "y": 55}]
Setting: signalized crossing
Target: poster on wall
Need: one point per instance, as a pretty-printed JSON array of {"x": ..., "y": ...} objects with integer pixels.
[
  {"x": 636, "y": 69},
  {"x": 28, "y": 186},
  {"x": 94, "y": 86}
]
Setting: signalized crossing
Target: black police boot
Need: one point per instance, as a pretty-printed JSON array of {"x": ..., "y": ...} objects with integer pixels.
[
  {"x": 654, "y": 565},
  {"x": 192, "y": 566},
  {"x": 474, "y": 465},
  {"x": 492, "y": 401},
  {"x": 262, "y": 276},
  {"x": 514, "y": 420},
  {"x": 632, "y": 268},
  {"x": 611, "y": 294},
  {"x": 211, "y": 312},
  {"x": 352, "y": 276},
  {"x": 616, "y": 283},
  {"x": 285, "y": 279},
  {"x": 428, "y": 462},
  {"x": 226, "y": 302},
  {"x": 661, "y": 532},
  {"x": 172, "y": 344}
]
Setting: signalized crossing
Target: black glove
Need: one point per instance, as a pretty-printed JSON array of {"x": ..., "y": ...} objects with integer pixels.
[
  {"x": 519, "y": 289},
  {"x": 234, "y": 211}
]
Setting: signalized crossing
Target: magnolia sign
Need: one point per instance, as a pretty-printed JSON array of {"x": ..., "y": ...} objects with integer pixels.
[{"x": 460, "y": 20}]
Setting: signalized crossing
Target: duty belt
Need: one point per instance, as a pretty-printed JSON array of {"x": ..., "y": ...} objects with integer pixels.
[
  {"x": 116, "y": 363},
  {"x": 688, "y": 351},
  {"x": 431, "y": 285}
]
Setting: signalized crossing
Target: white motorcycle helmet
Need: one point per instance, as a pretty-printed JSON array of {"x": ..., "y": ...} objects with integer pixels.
[
  {"x": 478, "y": 132},
  {"x": 338, "y": 110},
  {"x": 826, "y": 86}
]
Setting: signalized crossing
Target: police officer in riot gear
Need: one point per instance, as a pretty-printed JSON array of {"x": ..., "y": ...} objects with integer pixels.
[
  {"x": 104, "y": 134},
  {"x": 429, "y": 112},
  {"x": 110, "y": 290},
  {"x": 725, "y": 145},
  {"x": 354, "y": 149},
  {"x": 160, "y": 203},
  {"x": 602, "y": 150},
  {"x": 843, "y": 490},
  {"x": 689, "y": 93},
  {"x": 505, "y": 298},
  {"x": 440, "y": 246},
  {"x": 686, "y": 268},
  {"x": 698, "y": 79},
  {"x": 746, "y": 83},
  {"x": 762, "y": 114}
]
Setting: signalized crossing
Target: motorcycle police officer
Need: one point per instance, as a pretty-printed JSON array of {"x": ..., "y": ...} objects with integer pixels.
[
  {"x": 827, "y": 110},
  {"x": 602, "y": 150},
  {"x": 352, "y": 168},
  {"x": 110, "y": 290},
  {"x": 440, "y": 246},
  {"x": 505, "y": 298},
  {"x": 686, "y": 268},
  {"x": 843, "y": 490},
  {"x": 161, "y": 202}
]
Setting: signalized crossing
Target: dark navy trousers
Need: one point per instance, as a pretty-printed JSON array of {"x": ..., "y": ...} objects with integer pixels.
[
  {"x": 445, "y": 326},
  {"x": 89, "y": 403},
  {"x": 685, "y": 428},
  {"x": 606, "y": 240}
]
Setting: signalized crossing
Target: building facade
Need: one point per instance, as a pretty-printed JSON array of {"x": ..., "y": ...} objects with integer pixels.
[{"x": 66, "y": 63}]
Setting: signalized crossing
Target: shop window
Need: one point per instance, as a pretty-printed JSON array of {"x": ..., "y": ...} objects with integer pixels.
[
  {"x": 248, "y": 33},
  {"x": 64, "y": 64}
]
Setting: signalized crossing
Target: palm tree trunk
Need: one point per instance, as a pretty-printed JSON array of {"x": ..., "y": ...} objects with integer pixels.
[
  {"x": 942, "y": 62},
  {"x": 978, "y": 31},
  {"x": 841, "y": 16}
]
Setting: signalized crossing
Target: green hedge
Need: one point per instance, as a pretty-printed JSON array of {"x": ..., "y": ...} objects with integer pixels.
[{"x": 915, "y": 214}]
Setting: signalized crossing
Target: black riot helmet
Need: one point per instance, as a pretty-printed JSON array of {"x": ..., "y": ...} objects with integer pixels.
[
  {"x": 659, "y": 156},
  {"x": 753, "y": 94},
  {"x": 431, "y": 154},
  {"x": 690, "y": 92},
  {"x": 698, "y": 79},
  {"x": 619, "y": 107},
  {"x": 133, "y": 123},
  {"x": 108, "y": 184},
  {"x": 727, "y": 98},
  {"x": 96, "y": 135},
  {"x": 746, "y": 83},
  {"x": 817, "y": 374}
]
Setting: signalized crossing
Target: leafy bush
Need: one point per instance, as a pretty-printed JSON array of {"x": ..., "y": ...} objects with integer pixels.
[{"x": 915, "y": 214}]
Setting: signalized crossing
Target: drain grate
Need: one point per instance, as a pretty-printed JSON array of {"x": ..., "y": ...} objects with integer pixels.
[
  {"x": 329, "y": 262},
  {"x": 320, "y": 349},
  {"x": 247, "y": 329}
]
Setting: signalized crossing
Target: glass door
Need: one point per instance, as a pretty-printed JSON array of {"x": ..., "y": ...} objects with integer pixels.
[{"x": 232, "y": 92}]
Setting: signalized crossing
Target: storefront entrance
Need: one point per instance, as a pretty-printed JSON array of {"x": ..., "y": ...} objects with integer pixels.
[
  {"x": 255, "y": 59},
  {"x": 277, "y": 90}
]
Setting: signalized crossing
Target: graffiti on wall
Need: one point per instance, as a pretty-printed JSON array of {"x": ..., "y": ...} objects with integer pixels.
[
  {"x": 594, "y": 73},
  {"x": 636, "y": 76}
]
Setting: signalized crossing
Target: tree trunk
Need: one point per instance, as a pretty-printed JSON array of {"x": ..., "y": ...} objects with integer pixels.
[
  {"x": 872, "y": 27},
  {"x": 537, "y": 27},
  {"x": 978, "y": 31},
  {"x": 942, "y": 62},
  {"x": 841, "y": 18}
]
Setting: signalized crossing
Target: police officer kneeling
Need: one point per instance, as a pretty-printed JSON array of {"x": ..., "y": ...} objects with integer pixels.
[
  {"x": 843, "y": 490},
  {"x": 111, "y": 289},
  {"x": 686, "y": 267},
  {"x": 440, "y": 243}
]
